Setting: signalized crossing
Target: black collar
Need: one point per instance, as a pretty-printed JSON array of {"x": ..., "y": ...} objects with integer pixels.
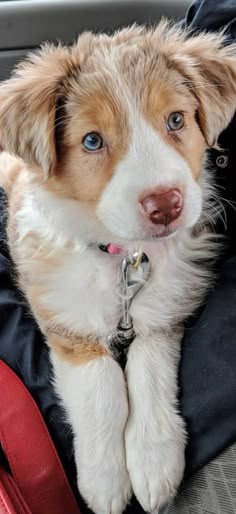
[{"x": 104, "y": 248}]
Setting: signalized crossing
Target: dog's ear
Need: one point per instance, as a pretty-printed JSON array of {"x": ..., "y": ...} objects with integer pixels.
[
  {"x": 209, "y": 66},
  {"x": 28, "y": 103}
]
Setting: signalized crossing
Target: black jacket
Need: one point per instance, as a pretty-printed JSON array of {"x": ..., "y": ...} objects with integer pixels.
[{"x": 207, "y": 374}]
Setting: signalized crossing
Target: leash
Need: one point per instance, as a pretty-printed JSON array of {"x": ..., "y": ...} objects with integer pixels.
[{"x": 135, "y": 272}]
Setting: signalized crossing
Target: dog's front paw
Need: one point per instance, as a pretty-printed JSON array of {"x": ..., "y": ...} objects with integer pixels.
[
  {"x": 105, "y": 485},
  {"x": 155, "y": 465}
]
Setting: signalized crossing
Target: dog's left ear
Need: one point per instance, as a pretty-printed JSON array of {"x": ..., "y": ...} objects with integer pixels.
[
  {"x": 209, "y": 66},
  {"x": 28, "y": 106}
]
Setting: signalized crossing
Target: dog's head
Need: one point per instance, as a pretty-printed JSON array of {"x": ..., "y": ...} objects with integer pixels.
[{"x": 119, "y": 125}]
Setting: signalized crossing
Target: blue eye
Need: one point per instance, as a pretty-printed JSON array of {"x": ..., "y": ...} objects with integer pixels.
[
  {"x": 92, "y": 142},
  {"x": 175, "y": 121}
]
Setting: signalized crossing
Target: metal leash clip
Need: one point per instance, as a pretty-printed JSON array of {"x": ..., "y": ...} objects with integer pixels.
[{"x": 138, "y": 264}]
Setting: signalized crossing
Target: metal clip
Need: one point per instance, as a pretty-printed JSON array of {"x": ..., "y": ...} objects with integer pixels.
[{"x": 130, "y": 286}]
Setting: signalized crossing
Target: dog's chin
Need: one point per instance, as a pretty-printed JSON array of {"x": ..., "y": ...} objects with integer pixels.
[
  {"x": 115, "y": 239},
  {"x": 162, "y": 232},
  {"x": 125, "y": 235},
  {"x": 154, "y": 235}
]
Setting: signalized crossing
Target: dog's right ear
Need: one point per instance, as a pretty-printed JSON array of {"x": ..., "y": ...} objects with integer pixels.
[
  {"x": 208, "y": 63},
  {"x": 28, "y": 103}
]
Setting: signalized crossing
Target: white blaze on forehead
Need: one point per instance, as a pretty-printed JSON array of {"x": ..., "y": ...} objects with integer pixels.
[{"x": 149, "y": 164}]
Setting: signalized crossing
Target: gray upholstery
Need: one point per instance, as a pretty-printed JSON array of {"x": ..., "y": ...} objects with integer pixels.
[
  {"x": 212, "y": 490},
  {"x": 24, "y": 24}
]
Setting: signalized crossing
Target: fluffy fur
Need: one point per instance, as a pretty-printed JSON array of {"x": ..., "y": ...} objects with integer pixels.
[{"x": 63, "y": 201}]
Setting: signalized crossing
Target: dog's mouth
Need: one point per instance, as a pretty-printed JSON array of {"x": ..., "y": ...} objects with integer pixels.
[
  {"x": 114, "y": 249},
  {"x": 166, "y": 232}
]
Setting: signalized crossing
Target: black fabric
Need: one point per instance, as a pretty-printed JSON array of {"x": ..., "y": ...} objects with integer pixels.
[
  {"x": 207, "y": 374},
  {"x": 212, "y": 15}
]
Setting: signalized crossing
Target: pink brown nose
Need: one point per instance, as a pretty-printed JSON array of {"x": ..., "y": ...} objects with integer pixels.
[{"x": 163, "y": 208}]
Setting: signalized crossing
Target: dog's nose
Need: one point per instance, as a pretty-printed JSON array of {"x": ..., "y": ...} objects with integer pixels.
[{"x": 163, "y": 208}]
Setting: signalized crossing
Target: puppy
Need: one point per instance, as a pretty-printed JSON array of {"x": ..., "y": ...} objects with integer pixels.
[{"x": 111, "y": 137}]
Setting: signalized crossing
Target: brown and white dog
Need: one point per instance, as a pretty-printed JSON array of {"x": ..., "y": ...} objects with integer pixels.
[{"x": 110, "y": 137}]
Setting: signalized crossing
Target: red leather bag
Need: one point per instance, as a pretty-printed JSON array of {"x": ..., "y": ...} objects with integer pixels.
[{"x": 36, "y": 483}]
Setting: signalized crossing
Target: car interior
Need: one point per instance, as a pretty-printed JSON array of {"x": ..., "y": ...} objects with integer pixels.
[{"x": 24, "y": 25}]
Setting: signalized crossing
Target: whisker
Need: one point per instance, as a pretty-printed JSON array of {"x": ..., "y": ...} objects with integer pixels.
[
  {"x": 231, "y": 203},
  {"x": 219, "y": 212}
]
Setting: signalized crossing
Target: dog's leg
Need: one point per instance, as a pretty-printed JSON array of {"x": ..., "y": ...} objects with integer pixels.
[
  {"x": 155, "y": 434},
  {"x": 95, "y": 398}
]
